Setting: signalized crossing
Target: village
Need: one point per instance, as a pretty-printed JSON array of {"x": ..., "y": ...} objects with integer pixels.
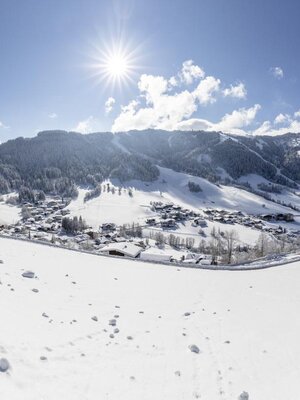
[{"x": 152, "y": 240}]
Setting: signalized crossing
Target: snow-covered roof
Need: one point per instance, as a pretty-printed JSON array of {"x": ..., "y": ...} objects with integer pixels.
[
  {"x": 129, "y": 249},
  {"x": 154, "y": 253}
]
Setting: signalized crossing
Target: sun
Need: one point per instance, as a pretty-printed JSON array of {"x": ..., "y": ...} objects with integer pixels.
[
  {"x": 117, "y": 66},
  {"x": 114, "y": 65}
]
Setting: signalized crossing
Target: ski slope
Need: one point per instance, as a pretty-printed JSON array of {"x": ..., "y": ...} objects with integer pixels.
[
  {"x": 245, "y": 324},
  {"x": 171, "y": 186}
]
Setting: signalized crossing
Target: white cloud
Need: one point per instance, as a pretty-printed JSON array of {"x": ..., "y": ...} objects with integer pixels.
[
  {"x": 238, "y": 91},
  {"x": 195, "y": 124},
  {"x": 263, "y": 129},
  {"x": 282, "y": 118},
  {"x": 173, "y": 81},
  {"x": 268, "y": 129},
  {"x": 277, "y": 72},
  {"x": 286, "y": 125},
  {"x": 230, "y": 123},
  {"x": 85, "y": 126},
  {"x": 109, "y": 104},
  {"x": 190, "y": 72},
  {"x": 2, "y": 126},
  {"x": 206, "y": 90},
  {"x": 163, "y": 103},
  {"x": 53, "y": 115},
  {"x": 238, "y": 118},
  {"x": 163, "y": 111},
  {"x": 297, "y": 114},
  {"x": 152, "y": 87}
]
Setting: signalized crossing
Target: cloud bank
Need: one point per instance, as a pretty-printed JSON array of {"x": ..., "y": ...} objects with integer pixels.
[
  {"x": 170, "y": 103},
  {"x": 174, "y": 103}
]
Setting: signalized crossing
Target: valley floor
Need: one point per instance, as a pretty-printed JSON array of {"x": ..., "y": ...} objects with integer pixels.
[{"x": 246, "y": 325}]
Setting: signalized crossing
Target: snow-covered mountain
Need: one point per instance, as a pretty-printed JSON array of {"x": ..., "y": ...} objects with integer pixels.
[
  {"x": 55, "y": 161},
  {"x": 90, "y": 327}
]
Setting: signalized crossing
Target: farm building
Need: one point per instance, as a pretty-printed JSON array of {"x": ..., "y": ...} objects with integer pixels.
[{"x": 123, "y": 249}]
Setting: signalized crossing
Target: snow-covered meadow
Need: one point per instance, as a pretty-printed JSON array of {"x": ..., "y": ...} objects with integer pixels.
[
  {"x": 9, "y": 214},
  {"x": 170, "y": 187},
  {"x": 173, "y": 187},
  {"x": 98, "y": 327}
]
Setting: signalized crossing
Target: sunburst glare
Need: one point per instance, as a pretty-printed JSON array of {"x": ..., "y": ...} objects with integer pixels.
[{"x": 114, "y": 65}]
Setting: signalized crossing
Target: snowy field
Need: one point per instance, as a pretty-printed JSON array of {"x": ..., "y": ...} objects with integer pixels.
[
  {"x": 245, "y": 324},
  {"x": 115, "y": 208},
  {"x": 171, "y": 186},
  {"x": 287, "y": 196},
  {"x": 245, "y": 234},
  {"x": 9, "y": 214}
]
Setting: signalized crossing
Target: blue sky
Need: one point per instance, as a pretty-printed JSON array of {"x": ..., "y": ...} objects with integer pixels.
[{"x": 244, "y": 76}]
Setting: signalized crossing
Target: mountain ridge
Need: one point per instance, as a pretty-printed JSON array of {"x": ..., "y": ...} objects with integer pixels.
[{"x": 58, "y": 159}]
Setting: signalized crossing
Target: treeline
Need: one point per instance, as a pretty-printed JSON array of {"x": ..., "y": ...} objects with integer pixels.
[
  {"x": 194, "y": 187},
  {"x": 91, "y": 194},
  {"x": 270, "y": 188},
  {"x": 73, "y": 225},
  {"x": 55, "y": 162},
  {"x": 131, "y": 230}
]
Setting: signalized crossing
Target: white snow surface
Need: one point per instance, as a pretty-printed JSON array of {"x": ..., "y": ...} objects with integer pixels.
[
  {"x": 245, "y": 323},
  {"x": 171, "y": 186},
  {"x": 9, "y": 214}
]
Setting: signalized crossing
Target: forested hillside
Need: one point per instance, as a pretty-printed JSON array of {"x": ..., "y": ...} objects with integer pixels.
[{"x": 57, "y": 161}]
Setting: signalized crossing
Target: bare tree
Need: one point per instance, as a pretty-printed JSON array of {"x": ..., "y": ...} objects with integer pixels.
[
  {"x": 262, "y": 244},
  {"x": 215, "y": 245},
  {"x": 230, "y": 238}
]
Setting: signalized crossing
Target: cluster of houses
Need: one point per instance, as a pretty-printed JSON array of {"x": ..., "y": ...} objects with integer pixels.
[
  {"x": 169, "y": 215},
  {"x": 42, "y": 216},
  {"x": 43, "y": 221},
  {"x": 251, "y": 221}
]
